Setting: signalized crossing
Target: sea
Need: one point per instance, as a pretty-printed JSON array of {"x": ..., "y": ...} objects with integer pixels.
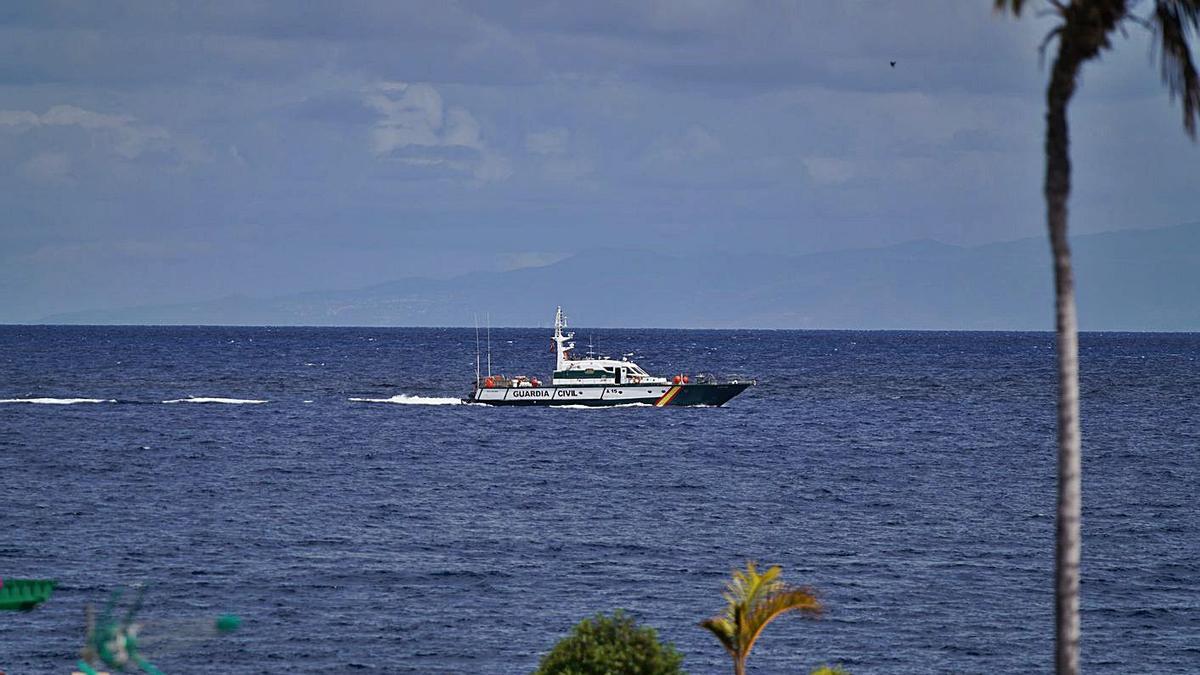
[{"x": 328, "y": 486}]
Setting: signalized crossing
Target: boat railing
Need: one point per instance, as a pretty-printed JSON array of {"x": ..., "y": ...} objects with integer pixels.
[{"x": 502, "y": 382}]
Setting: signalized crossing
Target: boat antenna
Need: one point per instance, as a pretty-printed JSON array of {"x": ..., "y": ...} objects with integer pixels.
[
  {"x": 489, "y": 340},
  {"x": 476, "y": 351}
]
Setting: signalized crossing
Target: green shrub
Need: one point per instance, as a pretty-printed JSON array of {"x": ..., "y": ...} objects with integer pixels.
[
  {"x": 613, "y": 645},
  {"x": 830, "y": 670}
]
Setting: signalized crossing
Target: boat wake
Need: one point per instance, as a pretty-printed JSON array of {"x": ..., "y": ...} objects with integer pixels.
[
  {"x": 212, "y": 399},
  {"x": 405, "y": 399},
  {"x": 57, "y": 401}
]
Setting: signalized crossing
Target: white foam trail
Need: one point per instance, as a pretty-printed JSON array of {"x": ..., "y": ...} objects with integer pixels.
[
  {"x": 405, "y": 399},
  {"x": 211, "y": 399},
  {"x": 57, "y": 401}
]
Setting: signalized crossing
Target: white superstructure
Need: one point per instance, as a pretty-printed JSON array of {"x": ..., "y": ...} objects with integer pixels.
[{"x": 569, "y": 370}]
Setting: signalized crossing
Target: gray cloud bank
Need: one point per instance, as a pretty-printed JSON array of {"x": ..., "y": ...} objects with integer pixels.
[{"x": 163, "y": 152}]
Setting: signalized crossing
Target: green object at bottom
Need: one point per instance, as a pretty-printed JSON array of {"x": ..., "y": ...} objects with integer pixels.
[
  {"x": 25, "y": 594},
  {"x": 227, "y": 623}
]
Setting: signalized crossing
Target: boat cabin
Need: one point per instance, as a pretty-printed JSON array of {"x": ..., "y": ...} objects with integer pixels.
[
  {"x": 572, "y": 371},
  {"x": 602, "y": 371}
]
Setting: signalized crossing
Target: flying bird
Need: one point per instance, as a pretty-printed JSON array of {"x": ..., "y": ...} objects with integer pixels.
[{"x": 893, "y": 63}]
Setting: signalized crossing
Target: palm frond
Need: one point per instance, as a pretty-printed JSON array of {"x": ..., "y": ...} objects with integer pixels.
[
  {"x": 1175, "y": 21},
  {"x": 791, "y": 599},
  {"x": 1013, "y": 6},
  {"x": 752, "y": 585},
  {"x": 788, "y": 599},
  {"x": 758, "y": 585},
  {"x": 725, "y": 632},
  {"x": 753, "y": 600}
]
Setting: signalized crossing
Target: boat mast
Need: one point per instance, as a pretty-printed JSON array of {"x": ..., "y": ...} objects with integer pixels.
[
  {"x": 562, "y": 340},
  {"x": 489, "y": 342},
  {"x": 476, "y": 351}
]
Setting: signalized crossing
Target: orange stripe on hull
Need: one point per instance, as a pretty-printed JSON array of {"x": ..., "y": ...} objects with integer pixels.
[{"x": 666, "y": 398}]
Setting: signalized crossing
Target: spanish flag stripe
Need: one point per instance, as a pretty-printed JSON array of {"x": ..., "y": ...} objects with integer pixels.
[{"x": 666, "y": 398}]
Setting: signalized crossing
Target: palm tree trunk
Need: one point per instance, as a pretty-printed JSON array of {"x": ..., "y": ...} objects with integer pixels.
[
  {"x": 739, "y": 665},
  {"x": 1057, "y": 190}
]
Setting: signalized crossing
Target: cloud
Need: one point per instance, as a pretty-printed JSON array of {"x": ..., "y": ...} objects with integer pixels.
[
  {"x": 411, "y": 115},
  {"x": 554, "y": 162},
  {"x": 829, "y": 170},
  {"x": 566, "y": 168},
  {"x": 129, "y": 139},
  {"x": 48, "y": 167},
  {"x": 492, "y": 167},
  {"x": 692, "y": 144},
  {"x": 19, "y": 118},
  {"x": 69, "y": 115},
  {"x": 549, "y": 142},
  {"x": 63, "y": 116},
  {"x": 416, "y": 127},
  {"x": 124, "y": 250},
  {"x": 113, "y": 135}
]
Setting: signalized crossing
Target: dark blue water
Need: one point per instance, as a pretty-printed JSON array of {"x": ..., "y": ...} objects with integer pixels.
[{"x": 907, "y": 476}]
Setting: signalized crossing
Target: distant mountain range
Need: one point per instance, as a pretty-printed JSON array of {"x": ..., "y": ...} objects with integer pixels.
[{"x": 1127, "y": 280}]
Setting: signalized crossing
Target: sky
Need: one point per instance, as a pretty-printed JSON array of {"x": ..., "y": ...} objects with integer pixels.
[{"x": 159, "y": 151}]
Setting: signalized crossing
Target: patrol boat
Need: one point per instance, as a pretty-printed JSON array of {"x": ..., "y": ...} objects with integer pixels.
[{"x": 600, "y": 381}]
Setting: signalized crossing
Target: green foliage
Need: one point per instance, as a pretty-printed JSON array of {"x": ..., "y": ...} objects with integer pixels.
[
  {"x": 613, "y": 645},
  {"x": 753, "y": 601},
  {"x": 830, "y": 670}
]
